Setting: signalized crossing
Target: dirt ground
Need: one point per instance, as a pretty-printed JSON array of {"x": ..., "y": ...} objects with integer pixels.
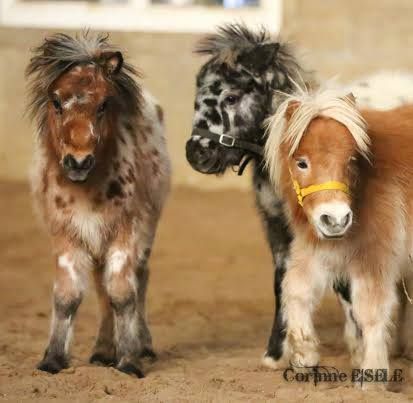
[{"x": 210, "y": 311}]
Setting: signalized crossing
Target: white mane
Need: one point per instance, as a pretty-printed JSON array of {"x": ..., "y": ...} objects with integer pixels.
[{"x": 328, "y": 102}]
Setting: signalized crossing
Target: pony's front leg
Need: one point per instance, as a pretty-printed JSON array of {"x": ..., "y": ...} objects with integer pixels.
[
  {"x": 279, "y": 238},
  {"x": 104, "y": 350},
  {"x": 122, "y": 288},
  {"x": 304, "y": 283},
  {"x": 71, "y": 273},
  {"x": 374, "y": 298},
  {"x": 352, "y": 332},
  {"x": 144, "y": 332},
  {"x": 275, "y": 347}
]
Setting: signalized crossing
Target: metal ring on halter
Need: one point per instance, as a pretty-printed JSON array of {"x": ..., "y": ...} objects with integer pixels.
[{"x": 226, "y": 144}]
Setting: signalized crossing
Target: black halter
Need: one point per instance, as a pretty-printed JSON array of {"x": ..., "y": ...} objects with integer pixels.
[{"x": 252, "y": 149}]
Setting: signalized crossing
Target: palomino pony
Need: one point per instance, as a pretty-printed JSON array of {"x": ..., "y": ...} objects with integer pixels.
[
  {"x": 100, "y": 179},
  {"x": 234, "y": 97},
  {"x": 345, "y": 175}
]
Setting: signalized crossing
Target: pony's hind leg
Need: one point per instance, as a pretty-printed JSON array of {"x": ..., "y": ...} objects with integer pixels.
[
  {"x": 121, "y": 285},
  {"x": 67, "y": 295},
  {"x": 104, "y": 350},
  {"x": 144, "y": 332}
]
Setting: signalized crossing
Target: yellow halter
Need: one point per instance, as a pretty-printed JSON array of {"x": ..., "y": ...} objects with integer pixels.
[{"x": 330, "y": 185}]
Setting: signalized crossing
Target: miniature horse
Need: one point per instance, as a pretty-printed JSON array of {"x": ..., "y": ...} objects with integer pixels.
[
  {"x": 234, "y": 96},
  {"x": 100, "y": 178},
  {"x": 346, "y": 177}
]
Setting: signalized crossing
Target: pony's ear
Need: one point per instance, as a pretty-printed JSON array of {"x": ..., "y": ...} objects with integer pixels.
[
  {"x": 260, "y": 58},
  {"x": 112, "y": 62},
  {"x": 291, "y": 108}
]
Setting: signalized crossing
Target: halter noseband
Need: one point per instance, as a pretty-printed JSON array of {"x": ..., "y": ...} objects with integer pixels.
[
  {"x": 232, "y": 142},
  {"x": 330, "y": 185}
]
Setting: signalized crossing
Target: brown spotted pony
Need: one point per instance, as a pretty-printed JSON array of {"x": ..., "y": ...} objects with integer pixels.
[
  {"x": 100, "y": 178},
  {"x": 347, "y": 179}
]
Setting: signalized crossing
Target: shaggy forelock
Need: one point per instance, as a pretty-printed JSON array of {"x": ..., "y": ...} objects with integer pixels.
[
  {"x": 60, "y": 52},
  {"x": 230, "y": 40},
  {"x": 233, "y": 40},
  {"x": 330, "y": 102}
]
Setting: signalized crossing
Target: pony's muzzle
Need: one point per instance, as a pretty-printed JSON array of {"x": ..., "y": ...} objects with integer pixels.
[
  {"x": 77, "y": 168},
  {"x": 201, "y": 154},
  {"x": 333, "y": 219}
]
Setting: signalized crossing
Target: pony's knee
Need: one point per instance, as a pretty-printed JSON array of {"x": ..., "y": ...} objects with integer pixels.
[
  {"x": 120, "y": 282},
  {"x": 69, "y": 286},
  {"x": 121, "y": 292},
  {"x": 66, "y": 307}
]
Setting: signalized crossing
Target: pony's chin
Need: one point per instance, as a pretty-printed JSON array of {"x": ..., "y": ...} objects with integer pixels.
[
  {"x": 215, "y": 168},
  {"x": 78, "y": 176},
  {"x": 330, "y": 237}
]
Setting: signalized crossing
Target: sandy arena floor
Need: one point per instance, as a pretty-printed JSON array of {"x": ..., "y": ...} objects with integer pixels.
[{"x": 210, "y": 309}]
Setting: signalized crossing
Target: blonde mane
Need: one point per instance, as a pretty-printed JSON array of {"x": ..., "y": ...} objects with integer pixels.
[{"x": 328, "y": 102}]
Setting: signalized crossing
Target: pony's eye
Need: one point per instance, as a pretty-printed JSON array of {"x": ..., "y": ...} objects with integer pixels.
[
  {"x": 231, "y": 99},
  {"x": 102, "y": 107},
  {"x": 302, "y": 164},
  {"x": 57, "y": 105}
]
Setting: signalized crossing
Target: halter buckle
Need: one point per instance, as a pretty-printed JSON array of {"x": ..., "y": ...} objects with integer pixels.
[{"x": 226, "y": 143}]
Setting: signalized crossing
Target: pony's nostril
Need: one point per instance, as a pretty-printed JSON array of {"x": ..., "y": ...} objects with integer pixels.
[
  {"x": 346, "y": 220},
  {"x": 327, "y": 220},
  {"x": 69, "y": 162},
  {"x": 88, "y": 162}
]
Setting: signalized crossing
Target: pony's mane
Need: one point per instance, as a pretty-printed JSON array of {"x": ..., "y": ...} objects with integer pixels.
[
  {"x": 60, "y": 52},
  {"x": 329, "y": 102},
  {"x": 232, "y": 40}
]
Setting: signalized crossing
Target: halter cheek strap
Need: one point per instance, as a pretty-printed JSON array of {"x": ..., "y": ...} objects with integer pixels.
[
  {"x": 330, "y": 185},
  {"x": 252, "y": 150}
]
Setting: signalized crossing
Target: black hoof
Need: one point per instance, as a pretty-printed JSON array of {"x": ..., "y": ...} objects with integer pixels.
[
  {"x": 131, "y": 369},
  {"x": 148, "y": 353},
  {"x": 102, "y": 360},
  {"x": 53, "y": 365}
]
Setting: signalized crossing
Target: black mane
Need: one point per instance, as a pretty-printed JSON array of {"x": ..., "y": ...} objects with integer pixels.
[
  {"x": 60, "y": 52},
  {"x": 238, "y": 48},
  {"x": 231, "y": 39}
]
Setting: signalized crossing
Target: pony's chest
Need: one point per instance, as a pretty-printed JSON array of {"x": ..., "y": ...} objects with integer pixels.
[
  {"x": 83, "y": 218},
  {"x": 335, "y": 259},
  {"x": 89, "y": 227}
]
